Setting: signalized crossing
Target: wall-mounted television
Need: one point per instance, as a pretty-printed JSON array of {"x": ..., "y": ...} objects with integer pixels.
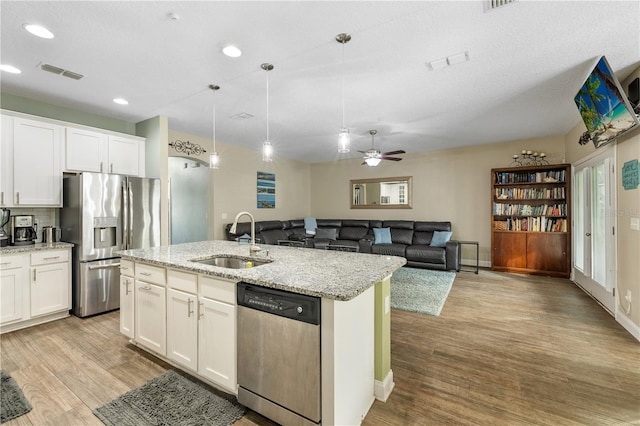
[{"x": 603, "y": 106}]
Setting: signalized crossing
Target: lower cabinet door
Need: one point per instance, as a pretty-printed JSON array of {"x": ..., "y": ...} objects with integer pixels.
[
  {"x": 127, "y": 306},
  {"x": 182, "y": 328},
  {"x": 49, "y": 288},
  {"x": 509, "y": 250},
  {"x": 150, "y": 317},
  {"x": 217, "y": 348},
  {"x": 11, "y": 291}
]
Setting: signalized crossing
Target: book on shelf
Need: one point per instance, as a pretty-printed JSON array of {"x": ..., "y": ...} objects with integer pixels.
[
  {"x": 546, "y": 176},
  {"x": 556, "y": 193},
  {"x": 502, "y": 209},
  {"x": 532, "y": 224}
]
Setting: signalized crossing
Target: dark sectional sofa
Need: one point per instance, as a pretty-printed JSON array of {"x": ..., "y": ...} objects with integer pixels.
[{"x": 409, "y": 239}]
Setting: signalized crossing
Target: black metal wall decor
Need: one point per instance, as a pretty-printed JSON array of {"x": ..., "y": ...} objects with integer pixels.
[
  {"x": 187, "y": 147},
  {"x": 529, "y": 158}
]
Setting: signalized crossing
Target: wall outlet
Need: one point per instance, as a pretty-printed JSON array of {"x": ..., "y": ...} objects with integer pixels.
[
  {"x": 635, "y": 224},
  {"x": 628, "y": 296}
]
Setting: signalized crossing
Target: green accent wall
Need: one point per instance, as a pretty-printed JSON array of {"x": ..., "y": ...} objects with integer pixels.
[
  {"x": 382, "y": 330},
  {"x": 35, "y": 107}
]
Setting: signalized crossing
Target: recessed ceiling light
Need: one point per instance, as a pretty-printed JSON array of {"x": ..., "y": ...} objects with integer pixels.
[
  {"x": 121, "y": 101},
  {"x": 10, "y": 68},
  {"x": 232, "y": 51},
  {"x": 38, "y": 30}
]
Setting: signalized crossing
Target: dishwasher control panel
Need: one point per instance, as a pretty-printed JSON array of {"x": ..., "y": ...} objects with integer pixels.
[{"x": 295, "y": 306}]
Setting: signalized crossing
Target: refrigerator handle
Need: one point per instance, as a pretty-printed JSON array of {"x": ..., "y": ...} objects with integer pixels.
[
  {"x": 130, "y": 216},
  {"x": 125, "y": 217}
]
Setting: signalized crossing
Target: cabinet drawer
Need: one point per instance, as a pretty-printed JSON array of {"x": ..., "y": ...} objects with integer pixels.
[
  {"x": 217, "y": 289},
  {"x": 150, "y": 273},
  {"x": 127, "y": 268},
  {"x": 182, "y": 281},
  {"x": 10, "y": 262},
  {"x": 49, "y": 256}
]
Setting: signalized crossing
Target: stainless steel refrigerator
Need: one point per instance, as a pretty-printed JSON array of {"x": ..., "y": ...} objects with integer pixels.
[{"x": 101, "y": 214}]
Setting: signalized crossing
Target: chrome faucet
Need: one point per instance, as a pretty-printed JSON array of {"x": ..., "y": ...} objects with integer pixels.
[{"x": 253, "y": 248}]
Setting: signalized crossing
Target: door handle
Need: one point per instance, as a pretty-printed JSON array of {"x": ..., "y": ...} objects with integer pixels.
[
  {"x": 101, "y": 167},
  {"x": 126, "y": 287},
  {"x": 111, "y": 265},
  {"x": 146, "y": 274},
  {"x": 17, "y": 198},
  {"x": 34, "y": 275},
  {"x": 200, "y": 309},
  {"x": 588, "y": 234},
  {"x": 189, "y": 310}
]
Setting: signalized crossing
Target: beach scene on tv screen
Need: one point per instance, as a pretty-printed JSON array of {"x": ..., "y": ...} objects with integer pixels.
[{"x": 603, "y": 107}]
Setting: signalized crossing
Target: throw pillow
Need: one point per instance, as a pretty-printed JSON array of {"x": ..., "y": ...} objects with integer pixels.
[
  {"x": 440, "y": 238},
  {"x": 327, "y": 233},
  {"x": 382, "y": 235}
]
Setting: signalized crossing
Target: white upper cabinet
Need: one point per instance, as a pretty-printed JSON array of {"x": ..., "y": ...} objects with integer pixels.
[
  {"x": 124, "y": 156},
  {"x": 6, "y": 161},
  {"x": 92, "y": 151},
  {"x": 86, "y": 151},
  {"x": 37, "y": 175}
]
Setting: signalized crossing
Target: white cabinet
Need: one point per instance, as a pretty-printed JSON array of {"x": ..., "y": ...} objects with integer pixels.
[
  {"x": 49, "y": 282},
  {"x": 95, "y": 151},
  {"x": 127, "y": 305},
  {"x": 35, "y": 287},
  {"x": 182, "y": 328},
  {"x": 12, "y": 286},
  {"x": 6, "y": 161},
  {"x": 37, "y": 175},
  {"x": 126, "y": 156},
  {"x": 150, "y": 308},
  {"x": 217, "y": 338},
  {"x": 86, "y": 150}
]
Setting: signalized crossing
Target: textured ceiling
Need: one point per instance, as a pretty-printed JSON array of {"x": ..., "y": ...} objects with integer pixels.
[{"x": 527, "y": 61}]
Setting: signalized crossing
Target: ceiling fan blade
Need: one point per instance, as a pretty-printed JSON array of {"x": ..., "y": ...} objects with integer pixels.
[
  {"x": 362, "y": 152},
  {"x": 364, "y": 163},
  {"x": 394, "y": 152},
  {"x": 392, "y": 158}
]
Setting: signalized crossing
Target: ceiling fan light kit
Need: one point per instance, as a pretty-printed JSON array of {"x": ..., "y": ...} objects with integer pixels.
[{"x": 373, "y": 156}]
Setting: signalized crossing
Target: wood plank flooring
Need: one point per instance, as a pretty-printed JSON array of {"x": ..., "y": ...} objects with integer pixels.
[{"x": 507, "y": 349}]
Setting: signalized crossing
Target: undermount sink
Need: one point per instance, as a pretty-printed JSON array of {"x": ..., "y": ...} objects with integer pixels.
[{"x": 231, "y": 262}]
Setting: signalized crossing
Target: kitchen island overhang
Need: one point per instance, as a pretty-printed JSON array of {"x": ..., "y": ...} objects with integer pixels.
[{"x": 355, "y": 323}]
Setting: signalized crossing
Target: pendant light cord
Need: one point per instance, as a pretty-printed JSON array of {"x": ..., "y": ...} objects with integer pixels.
[{"x": 343, "y": 113}]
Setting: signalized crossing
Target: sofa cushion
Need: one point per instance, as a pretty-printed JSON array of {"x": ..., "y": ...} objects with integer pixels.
[
  {"x": 399, "y": 224},
  {"x": 382, "y": 235},
  {"x": 355, "y": 223},
  {"x": 389, "y": 249},
  {"x": 346, "y": 243},
  {"x": 440, "y": 238},
  {"x": 431, "y": 226},
  {"x": 272, "y": 236},
  {"x": 267, "y": 225},
  {"x": 329, "y": 223},
  {"x": 297, "y": 223},
  {"x": 402, "y": 236},
  {"x": 422, "y": 238},
  {"x": 327, "y": 233},
  {"x": 427, "y": 254},
  {"x": 353, "y": 233}
]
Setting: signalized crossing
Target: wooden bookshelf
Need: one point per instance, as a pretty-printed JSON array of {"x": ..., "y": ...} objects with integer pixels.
[{"x": 531, "y": 220}]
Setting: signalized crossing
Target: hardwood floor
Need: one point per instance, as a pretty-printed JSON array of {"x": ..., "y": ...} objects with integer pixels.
[{"x": 506, "y": 350}]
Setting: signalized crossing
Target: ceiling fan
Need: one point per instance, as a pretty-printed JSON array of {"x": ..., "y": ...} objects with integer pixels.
[{"x": 373, "y": 156}]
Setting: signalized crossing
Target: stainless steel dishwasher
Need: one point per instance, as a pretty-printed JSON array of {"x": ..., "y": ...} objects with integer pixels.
[{"x": 279, "y": 354}]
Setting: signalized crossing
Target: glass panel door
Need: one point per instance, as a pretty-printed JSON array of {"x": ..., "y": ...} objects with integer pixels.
[{"x": 593, "y": 236}]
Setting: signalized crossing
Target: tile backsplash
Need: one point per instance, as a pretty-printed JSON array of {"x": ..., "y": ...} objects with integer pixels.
[{"x": 43, "y": 217}]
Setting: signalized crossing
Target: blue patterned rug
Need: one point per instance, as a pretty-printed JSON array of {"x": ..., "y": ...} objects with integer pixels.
[{"x": 420, "y": 290}]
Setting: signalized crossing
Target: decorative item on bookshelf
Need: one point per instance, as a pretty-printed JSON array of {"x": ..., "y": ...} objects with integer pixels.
[{"x": 529, "y": 158}]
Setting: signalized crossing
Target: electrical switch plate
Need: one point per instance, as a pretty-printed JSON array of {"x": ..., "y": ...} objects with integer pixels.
[
  {"x": 635, "y": 224},
  {"x": 224, "y": 216}
]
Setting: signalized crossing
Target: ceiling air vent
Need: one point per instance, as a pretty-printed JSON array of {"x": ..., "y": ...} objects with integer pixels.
[
  {"x": 60, "y": 71},
  {"x": 495, "y": 4},
  {"x": 242, "y": 116}
]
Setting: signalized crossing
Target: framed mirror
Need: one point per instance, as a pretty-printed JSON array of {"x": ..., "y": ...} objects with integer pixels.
[{"x": 381, "y": 193}]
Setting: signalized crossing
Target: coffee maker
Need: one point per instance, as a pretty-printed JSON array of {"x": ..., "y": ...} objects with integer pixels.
[
  {"x": 4, "y": 219},
  {"x": 23, "y": 231}
]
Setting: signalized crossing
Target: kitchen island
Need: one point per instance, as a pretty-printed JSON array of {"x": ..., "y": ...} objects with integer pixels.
[{"x": 355, "y": 314}]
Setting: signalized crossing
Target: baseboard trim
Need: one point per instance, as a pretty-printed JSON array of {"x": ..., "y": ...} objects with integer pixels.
[
  {"x": 628, "y": 325},
  {"x": 382, "y": 389}
]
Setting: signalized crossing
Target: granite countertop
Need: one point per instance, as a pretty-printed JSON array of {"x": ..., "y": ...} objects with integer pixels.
[
  {"x": 34, "y": 247},
  {"x": 324, "y": 273}
]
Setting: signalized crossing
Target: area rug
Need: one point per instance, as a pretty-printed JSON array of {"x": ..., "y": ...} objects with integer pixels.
[
  {"x": 420, "y": 290},
  {"x": 172, "y": 398},
  {"x": 12, "y": 401}
]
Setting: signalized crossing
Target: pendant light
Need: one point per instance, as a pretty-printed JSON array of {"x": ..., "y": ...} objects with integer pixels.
[
  {"x": 344, "y": 139},
  {"x": 214, "y": 158},
  {"x": 267, "y": 149}
]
